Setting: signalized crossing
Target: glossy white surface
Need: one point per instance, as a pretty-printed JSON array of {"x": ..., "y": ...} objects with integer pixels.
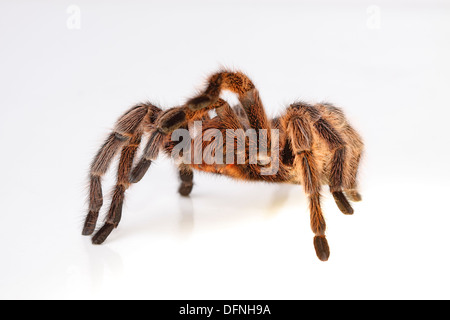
[{"x": 63, "y": 89}]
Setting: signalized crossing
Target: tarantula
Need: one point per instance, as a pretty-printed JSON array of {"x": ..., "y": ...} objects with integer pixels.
[{"x": 315, "y": 146}]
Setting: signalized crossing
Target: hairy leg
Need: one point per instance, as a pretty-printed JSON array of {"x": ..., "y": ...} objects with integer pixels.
[
  {"x": 356, "y": 146},
  {"x": 336, "y": 145},
  {"x": 239, "y": 83},
  {"x": 186, "y": 177},
  {"x": 300, "y": 134},
  {"x": 353, "y": 148},
  {"x": 124, "y": 130},
  {"x": 150, "y": 153},
  {"x": 122, "y": 184},
  {"x": 166, "y": 122},
  {"x": 159, "y": 124}
]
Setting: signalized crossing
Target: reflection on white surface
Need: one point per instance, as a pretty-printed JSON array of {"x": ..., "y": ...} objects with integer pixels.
[
  {"x": 63, "y": 88},
  {"x": 186, "y": 217}
]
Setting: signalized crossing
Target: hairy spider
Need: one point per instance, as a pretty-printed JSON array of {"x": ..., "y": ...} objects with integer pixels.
[{"x": 315, "y": 146}]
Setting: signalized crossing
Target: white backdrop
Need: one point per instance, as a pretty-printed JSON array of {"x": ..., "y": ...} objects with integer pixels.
[{"x": 70, "y": 68}]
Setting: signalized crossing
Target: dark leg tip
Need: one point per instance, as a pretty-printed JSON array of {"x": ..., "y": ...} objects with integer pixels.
[
  {"x": 89, "y": 224},
  {"x": 342, "y": 203},
  {"x": 185, "y": 189},
  {"x": 102, "y": 234},
  {"x": 139, "y": 171},
  {"x": 322, "y": 248},
  {"x": 87, "y": 231}
]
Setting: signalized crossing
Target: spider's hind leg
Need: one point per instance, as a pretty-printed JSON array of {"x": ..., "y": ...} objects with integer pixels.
[
  {"x": 353, "y": 195},
  {"x": 356, "y": 147},
  {"x": 347, "y": 147},
  {"x": 342, "y": 202},
  {"x": 338, "y": 177},
  {"x": 240, "y": 84},
  {"x": 305, "y": 163}
]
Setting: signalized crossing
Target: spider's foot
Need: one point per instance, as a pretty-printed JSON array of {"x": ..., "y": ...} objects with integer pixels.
[
  {"x": 103, "y": 233},
  {"x": 342, "y": 203},
  {"x": 139, "y": 170},
  {"x": 353, "y": 195},
  {"x": 89, "y": 224},
  {"x": 185, "y": 189},
  {"x": 322, "y": 248},
  {"x": 199, "y": 102}
]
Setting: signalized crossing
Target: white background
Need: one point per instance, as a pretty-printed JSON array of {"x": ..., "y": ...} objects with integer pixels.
[{"x": 384, "y": 62}]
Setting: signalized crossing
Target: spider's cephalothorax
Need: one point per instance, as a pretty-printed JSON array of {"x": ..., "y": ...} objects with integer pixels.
[{"x": 315, "y": 146}]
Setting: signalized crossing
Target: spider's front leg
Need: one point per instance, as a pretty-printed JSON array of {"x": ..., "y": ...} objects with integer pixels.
[
  {"x": 126, "y": 136},
  {"x": 167, "y": 122},
  {"x": 180, "y": 118},
  {"x": 239, "y": 83},
  {"x": 128, "y": 132},
  {"x": 339, "y": 172}
]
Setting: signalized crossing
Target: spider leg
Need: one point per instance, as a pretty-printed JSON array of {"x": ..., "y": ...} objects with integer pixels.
[
  {"x": 167, "y": 121},
  {"x": 164, "y": 123},
  {"x": 123, "y": 132},
  {"x": 337, "y": 146},
  {"x": 150, "y": 153},
  {"x": 122, "y": 184},
  {"x": 348, "y": 145},
  {"x": 186, "y": 177},
  {"x": 239, "y": 83},
  {"x": 251, "y": 105},
  {"x": 301, "y": 137},
  {"x": 356, "y": 147},
  {"x": 236, "y": 82},
  {"x": 235, "y": 145}
]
